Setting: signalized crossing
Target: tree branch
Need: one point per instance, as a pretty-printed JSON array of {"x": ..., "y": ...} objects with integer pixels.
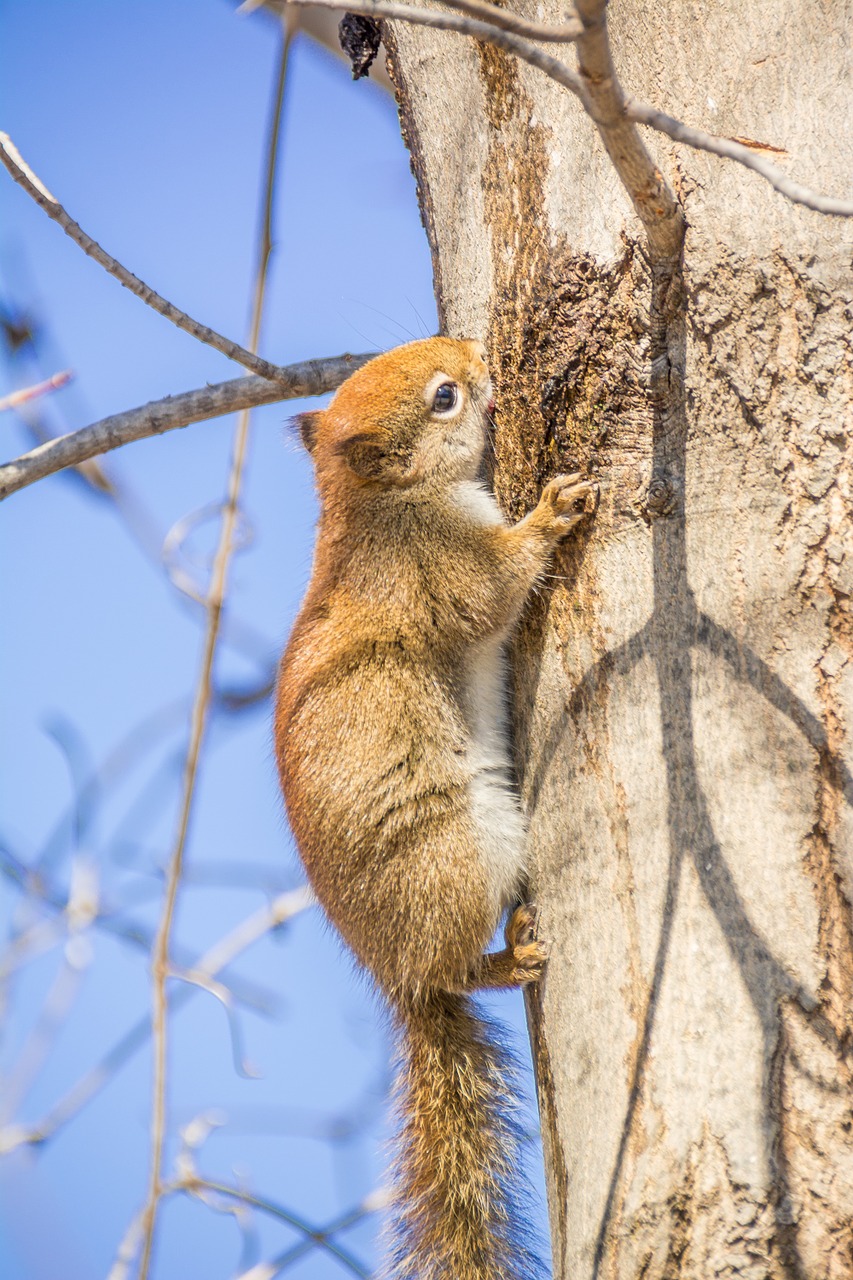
[
  {"x": 282, "y": 909},
  {"x": 656, "y": 206},
  {"x": 487, "y": 31},
  {"x": 503, "y": 19},
  {"x": 308, "y": 378},
  {"x": 11, "y": 158},
  {"x": 314, "y": 1237},
  {"x": 17, "y": 398},
  {"x": 732, "y": 150},
  {"x": 506, "y": 20},
  {"x": 608, "y": 106}
]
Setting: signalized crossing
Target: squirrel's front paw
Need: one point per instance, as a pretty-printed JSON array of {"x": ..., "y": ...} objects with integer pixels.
[
  {"x": 559, "y": 507},
  {"x": 529, "y": 954}
]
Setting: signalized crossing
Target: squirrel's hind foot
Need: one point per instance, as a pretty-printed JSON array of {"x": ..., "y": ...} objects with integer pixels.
[{"x": 523, "y": 960}]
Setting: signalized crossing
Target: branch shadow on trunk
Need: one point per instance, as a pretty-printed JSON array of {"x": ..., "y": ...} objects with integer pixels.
[{"x": 669, "y": 637}]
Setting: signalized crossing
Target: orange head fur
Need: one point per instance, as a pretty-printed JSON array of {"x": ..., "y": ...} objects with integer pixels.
[{"x": 413, "y": 414}]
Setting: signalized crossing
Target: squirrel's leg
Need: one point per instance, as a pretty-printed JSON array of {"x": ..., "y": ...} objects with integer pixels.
[
  {"x": 521, "y": 962},
  {"x": 532, "y": 541},
  {"x": 556, "y": 513}
]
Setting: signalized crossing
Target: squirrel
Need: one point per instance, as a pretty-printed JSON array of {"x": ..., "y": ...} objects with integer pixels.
[{"x": 392, "y": 743}]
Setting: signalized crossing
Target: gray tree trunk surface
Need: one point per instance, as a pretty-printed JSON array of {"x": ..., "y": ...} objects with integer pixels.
[{"x": 684, "y": 685}]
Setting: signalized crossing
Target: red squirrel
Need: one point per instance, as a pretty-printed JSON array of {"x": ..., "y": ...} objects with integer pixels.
[{"x": 392, "y": 744}]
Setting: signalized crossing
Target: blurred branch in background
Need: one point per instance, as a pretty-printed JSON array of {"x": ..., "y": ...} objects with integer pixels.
[
  {"x": 240, "y": 1202},
  {"x": 62, "y": 895},
  {"x": 223, "y": 953},
  {"x": 17, "y": 398},
  {"x": 215, "y": 602},
  {"x": 27, "y": 344}
]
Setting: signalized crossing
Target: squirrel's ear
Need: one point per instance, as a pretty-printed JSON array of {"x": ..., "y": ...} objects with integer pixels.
[
  {"x": 307, "y": 424},
  {"x": 364, "y": 455}
]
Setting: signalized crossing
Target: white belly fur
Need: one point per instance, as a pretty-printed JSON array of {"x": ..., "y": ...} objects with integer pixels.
[
  {"x": 497, "y": 817},
  {"x": 495, "y": 810}
]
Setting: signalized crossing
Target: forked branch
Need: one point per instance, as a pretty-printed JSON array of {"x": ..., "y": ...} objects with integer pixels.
[{"x": 603, "y": 99}]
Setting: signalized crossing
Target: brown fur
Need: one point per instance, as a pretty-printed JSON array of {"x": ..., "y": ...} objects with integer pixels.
[{"x": 381, "y": 746}]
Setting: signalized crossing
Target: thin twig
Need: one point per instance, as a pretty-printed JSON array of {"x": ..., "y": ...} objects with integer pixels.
[
  {"x": 283, "y": 908},
  {"x": 47, "y": 933},
  {"x": 285, "y": 1259},
  {"x": 29, "y": 944},
  {"x": 191, "y": 1183},
  {"x": 314, "y": 1237},
  {"x": 16, "y": 398},
  {"x": 502, "y": 19},
  {"x": 215, "y": 602},
  {"x": 307, "y": 378},
  {"x": 220, "y": 992},
  {"x": 13, "y": 161},
  {"x": 631, "y": 109},
  {"x": 467, "y": 27},
  {"x": 729, "y": 149},
  {"x": 558, "y": 33},
  {"x": 76, "y": 959}
]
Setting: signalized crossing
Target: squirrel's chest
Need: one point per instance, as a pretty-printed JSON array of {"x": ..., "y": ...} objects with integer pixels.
[{"x": 476, "y": 503}]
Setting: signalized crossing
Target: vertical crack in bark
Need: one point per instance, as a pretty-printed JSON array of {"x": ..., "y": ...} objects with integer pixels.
[{"x": 551, "y": 1136}]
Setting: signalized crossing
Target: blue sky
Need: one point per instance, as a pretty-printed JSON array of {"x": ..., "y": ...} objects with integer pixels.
[{"x": 148, "y": 123}]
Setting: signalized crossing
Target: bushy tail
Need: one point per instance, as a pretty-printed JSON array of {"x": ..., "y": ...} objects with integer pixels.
[{"x": 459, "y": 1215}]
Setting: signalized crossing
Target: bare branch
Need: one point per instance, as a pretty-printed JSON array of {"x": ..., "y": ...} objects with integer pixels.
[
  {"x": 283, "y": 908},
  {"x": 80, "y": 913},
  {"x": 612, "y": 111},
  {"x": 319, "y": 1238},
  {"x": 308, "y": 378},
  {"x": 731, "y": 149},
  {"x": 268, "y": 1270},
  {"x": 220, "y": 992},
  {"x": 45, "y": 934},
  {"x": 502, "y": 19},
  {"x": 487, "y": 31},
  {"x": 505, "y": 20},
  {"x": 656, "y": 206},
  {"x": 220, "y": 1196},
  {"x": 11, "y": 158}
]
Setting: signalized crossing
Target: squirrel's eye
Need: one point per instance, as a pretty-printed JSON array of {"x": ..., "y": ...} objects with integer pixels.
[{"x": 445, "y": 397}]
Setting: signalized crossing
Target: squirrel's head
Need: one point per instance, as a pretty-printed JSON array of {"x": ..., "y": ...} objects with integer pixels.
[{"x": 413, "y": 415}]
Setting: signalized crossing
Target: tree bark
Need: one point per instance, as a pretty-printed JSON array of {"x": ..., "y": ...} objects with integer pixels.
[{"x": 683, "y": 687}]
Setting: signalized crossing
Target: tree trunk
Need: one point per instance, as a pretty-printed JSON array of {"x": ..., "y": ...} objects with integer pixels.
[{"x": 683, "y": 686}]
